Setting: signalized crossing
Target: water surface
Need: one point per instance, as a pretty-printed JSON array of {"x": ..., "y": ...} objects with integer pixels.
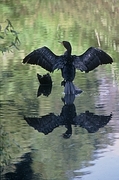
[{"x": 91, "y": 152}]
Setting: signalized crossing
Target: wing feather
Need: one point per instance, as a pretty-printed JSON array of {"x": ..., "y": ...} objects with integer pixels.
[
  {"x": 45, "y": 124},
  {"x": 43, "y": 57},
  {"x": 91, "y": 121},
  {"x": 91, "y": 59}
]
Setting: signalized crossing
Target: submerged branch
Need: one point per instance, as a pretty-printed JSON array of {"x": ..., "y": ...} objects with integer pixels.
[{"x": 97, "y": 36}]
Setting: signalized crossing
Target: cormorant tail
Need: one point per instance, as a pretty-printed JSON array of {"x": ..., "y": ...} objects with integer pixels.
[{"x": 69, "y": 88}]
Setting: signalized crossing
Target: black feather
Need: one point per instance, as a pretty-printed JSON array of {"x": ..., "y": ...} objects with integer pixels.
[
  {"x": 91, "y": 59},
  {"x": 43, "y": 57}
]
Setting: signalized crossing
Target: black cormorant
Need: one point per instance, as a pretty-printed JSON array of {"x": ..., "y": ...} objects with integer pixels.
[
  {"x": 68, "y": 63},
  {"x": 45, "y": 86}
]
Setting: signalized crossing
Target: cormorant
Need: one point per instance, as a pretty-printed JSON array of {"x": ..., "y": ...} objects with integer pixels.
[{"x": 68, "y": 63}]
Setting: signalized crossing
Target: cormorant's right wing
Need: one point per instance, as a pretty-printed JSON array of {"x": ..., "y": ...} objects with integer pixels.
[
  {"x": 45, "y": 124},
  {"x": 43, "y": 57}
]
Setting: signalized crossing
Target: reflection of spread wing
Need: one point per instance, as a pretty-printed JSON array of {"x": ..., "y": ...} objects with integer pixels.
[
  {"x": 91, "y": 59},
  {"x": 92, "y": 122},
  {"x": 45, "y": 124},
  {"x": 43, "y": 57}
]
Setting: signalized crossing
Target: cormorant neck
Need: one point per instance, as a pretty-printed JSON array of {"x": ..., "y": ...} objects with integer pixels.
[
  {"x": 67, "y": 45},
  {"x": 69, "y": 51}
]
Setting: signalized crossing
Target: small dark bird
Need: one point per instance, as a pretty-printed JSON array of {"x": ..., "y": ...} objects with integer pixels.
[
  {"x": 68, "y": 63},
  {"x": 45, "y": 79},
  {"x": 45, "y": 87}
]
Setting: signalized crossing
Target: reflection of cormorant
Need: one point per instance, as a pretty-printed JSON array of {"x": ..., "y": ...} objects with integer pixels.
[
  {"x": 68, "y": 117},
  {"x": 68, "y": 63},
  {"x": 45, "y": 87}
]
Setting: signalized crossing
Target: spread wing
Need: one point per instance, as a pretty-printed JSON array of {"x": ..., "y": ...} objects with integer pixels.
[
  {"x": 45, "y": 124},
  {"x": 43, "y": 57},
  {"x": 92, "y": 122},
  {"x": 91, "y": 59}
]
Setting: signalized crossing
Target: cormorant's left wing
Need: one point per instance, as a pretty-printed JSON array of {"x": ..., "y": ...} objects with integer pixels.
[
  {"x": 43, "y": 57},
  {"x": 91, "y": 59}
]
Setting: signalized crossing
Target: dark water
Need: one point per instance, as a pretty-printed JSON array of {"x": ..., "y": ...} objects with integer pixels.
[{"x": 90, "y": 148}]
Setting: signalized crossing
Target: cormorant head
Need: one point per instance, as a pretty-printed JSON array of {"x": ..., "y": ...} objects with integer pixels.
[{"x": 67, "y": 45}]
